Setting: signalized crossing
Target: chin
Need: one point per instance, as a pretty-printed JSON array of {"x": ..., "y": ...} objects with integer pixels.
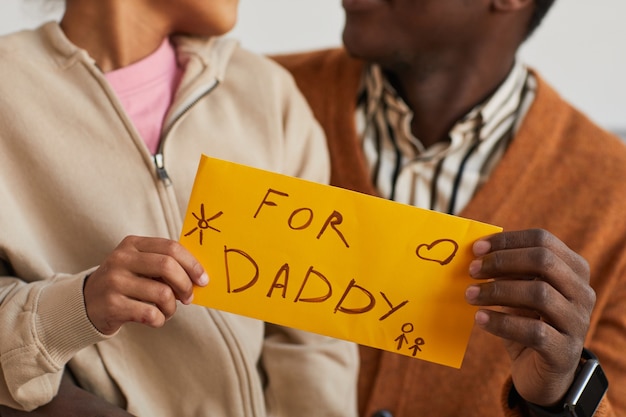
[
  {"x": 358, "y": 45},
  {"x": 365, "y": 36},
  {"x": 220, "y": 22},
  {"x": 224, "y": 29},
  {"x": 353, "y": 41},
  {"x": 207, "y": 30}
]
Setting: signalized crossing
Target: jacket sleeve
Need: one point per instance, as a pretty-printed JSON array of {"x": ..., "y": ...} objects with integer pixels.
[
  {"x": 43, "y": 324},
  {"x": 306, "y": 150},
  {"x": 307, "y": 374}
]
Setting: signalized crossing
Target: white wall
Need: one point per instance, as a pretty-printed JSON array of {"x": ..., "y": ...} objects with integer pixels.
[{"x": 579, "y": 48}]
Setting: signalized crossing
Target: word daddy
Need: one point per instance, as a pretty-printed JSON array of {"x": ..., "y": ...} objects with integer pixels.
[{"x": 332, "y": 261}]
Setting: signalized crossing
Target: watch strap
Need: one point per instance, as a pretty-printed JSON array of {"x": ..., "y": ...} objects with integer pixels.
[
  {"x": 516, "y": 399},
  {"x": 566, "y": 409}
]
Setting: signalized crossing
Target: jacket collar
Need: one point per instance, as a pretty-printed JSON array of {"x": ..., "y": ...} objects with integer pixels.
[{"x": 208, "y": 57}]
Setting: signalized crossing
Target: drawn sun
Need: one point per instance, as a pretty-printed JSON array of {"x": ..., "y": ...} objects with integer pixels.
[{"x": 203, "y": 223}]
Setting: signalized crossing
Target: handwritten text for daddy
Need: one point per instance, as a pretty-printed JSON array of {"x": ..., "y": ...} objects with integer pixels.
[{"x": 332, "y": 261}]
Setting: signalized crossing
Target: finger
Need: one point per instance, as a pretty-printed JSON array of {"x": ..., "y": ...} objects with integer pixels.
[
  {"x": 533, "y": 238},
  {"x": 163, "y": 268},
  {"x": 133, "y": 310},
  {"x": 110, "y": 316},
  {"x": 535, "y": 299},
  {"x": 532, "y": 333},
  {"x": 533, "y": 262},
  {"x": 153, "y": 292},
  {"x": 107, "y": 300},
  {"x": 194, "y": 270}
]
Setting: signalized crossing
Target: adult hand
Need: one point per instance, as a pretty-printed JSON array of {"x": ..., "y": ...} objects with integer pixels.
[
  {"x": 140, "y": 281},
  {"x": 541, "y": 303},
  {"x": 71, "y": 401}
]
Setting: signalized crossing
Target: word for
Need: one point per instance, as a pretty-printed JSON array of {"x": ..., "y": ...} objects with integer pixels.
[{"x": 301, "y": 218}]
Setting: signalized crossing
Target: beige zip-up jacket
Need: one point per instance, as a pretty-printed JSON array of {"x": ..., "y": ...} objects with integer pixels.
[{"x": 75, "y": 178}]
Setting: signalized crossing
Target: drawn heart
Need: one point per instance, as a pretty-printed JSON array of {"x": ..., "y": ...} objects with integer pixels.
[{"x": 441, "y": 251}]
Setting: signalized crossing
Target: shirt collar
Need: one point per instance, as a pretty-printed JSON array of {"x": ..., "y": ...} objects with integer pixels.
[{"x": 483, "y": 118}]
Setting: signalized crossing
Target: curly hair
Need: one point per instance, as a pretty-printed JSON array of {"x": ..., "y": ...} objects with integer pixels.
[{"x": 541, "y": 9}]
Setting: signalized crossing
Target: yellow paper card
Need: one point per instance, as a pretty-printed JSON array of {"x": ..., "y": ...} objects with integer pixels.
[{"x": 332, "y": 261}]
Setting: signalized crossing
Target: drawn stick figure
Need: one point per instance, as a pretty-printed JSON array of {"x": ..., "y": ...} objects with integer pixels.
[
  {"x": 406, "y": 328},
  {"x": 418, "y": 342}
]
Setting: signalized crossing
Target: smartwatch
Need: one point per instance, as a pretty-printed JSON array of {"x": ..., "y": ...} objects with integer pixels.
[{"x": 584, "y": 395}]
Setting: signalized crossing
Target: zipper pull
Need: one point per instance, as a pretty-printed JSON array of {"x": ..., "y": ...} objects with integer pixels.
[{"x": 160, "y": 169}]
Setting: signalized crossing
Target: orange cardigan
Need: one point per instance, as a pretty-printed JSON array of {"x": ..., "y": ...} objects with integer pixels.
[{"x": 561, "y": 173}]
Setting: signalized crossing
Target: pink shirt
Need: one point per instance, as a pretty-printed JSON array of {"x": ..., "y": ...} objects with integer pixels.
[{"x": 146, "y": 89}]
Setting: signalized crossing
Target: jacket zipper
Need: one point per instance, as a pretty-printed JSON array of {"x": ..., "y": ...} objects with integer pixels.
[
  {"x": 160, "y": 169},
  {"x": 159, "y": 160}
]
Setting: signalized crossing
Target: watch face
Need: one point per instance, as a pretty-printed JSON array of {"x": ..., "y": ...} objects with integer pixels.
[{"x": 588, "y": 389}]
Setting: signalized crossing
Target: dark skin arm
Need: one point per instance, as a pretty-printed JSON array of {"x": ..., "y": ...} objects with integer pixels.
[
  {"x": 71, "y": 401},
  {"x": 539, "y": 303}
]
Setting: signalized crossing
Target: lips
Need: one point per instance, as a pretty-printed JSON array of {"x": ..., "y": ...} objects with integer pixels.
[{"x": 362, "y": 5}]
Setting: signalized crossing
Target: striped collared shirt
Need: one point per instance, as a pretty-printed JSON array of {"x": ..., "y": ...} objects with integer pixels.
[{"x": 444, "y": 176}]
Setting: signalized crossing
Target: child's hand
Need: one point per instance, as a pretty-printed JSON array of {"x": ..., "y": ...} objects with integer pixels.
[{"x": 140, "y": 281}]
